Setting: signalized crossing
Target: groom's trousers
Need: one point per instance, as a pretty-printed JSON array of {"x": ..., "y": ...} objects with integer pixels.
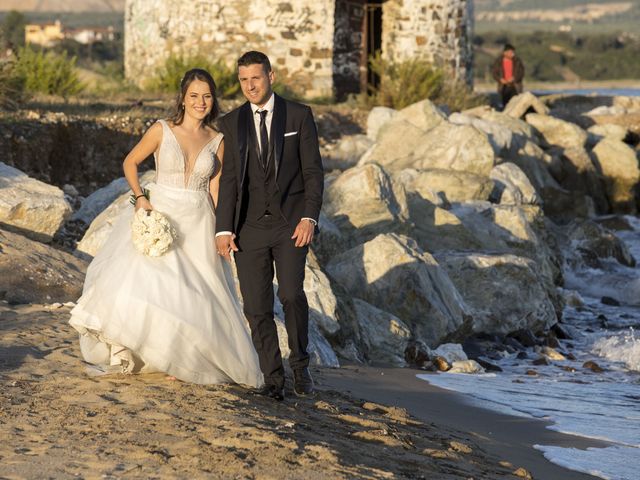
[{"x": 263, "y": 245}]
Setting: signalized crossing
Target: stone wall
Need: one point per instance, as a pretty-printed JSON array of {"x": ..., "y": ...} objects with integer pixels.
[
  {"x": 437, "y": 30},
  {"x": 308, "y": 41},
  {"x": 296, "y": 35}
]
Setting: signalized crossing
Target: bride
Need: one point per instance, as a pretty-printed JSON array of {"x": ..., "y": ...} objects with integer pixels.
[{"x": 177, "y": 313}]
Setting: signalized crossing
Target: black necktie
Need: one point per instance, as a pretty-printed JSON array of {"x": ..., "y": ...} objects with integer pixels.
[{"x": 264, "y": 138}]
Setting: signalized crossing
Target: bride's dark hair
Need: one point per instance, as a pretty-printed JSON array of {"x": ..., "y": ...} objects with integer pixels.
[{"x": 177, "y": 116}]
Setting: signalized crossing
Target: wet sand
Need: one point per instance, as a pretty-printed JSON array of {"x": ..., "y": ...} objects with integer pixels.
[{"x": 507, "y": 437}]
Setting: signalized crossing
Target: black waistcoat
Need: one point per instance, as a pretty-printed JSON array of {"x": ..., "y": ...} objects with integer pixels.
[{"x": 260, "y": 188}]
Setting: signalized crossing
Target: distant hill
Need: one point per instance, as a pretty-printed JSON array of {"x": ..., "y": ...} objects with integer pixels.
[
  {"x": 578, "y": 16},
  {"x": 68, "y": 6}
]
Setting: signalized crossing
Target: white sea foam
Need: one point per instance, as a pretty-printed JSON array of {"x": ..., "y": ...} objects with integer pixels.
[
  {"x": 623, "y": 347},
  {"x": 597, "y": 461}
]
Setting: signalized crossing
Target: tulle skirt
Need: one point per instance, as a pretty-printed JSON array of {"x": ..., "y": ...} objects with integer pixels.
[{"x": 177, "y": 313}]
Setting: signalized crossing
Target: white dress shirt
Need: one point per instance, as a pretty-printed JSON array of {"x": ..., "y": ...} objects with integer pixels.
[{"x": 256, "y": 117}]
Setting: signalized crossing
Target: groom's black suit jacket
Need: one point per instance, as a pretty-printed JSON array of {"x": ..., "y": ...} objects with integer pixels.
[{"x": 298, "y": 165}]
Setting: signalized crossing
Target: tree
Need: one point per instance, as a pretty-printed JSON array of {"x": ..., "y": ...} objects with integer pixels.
[{"x": 13, "y": 30}]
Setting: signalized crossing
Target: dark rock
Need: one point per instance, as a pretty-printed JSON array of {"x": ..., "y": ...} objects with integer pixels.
[
  {"x": 513, "y": 343},
  {"x": 525, "y": 337},
  {"x": 551, "y": 340},
  {"x": 522, "y": 356},
  {"x": 615, "y": 222},
  {"x": 541, "y": 361},
  {"x": 593, "y": 366},
  {"x": 532, "y": 373},
  {"x": 570, "y": 356},
  {"x": 604, "y": 321},
  {"x": 568, "y": 368},
  {"x": 594, "y": 242},
  {"x": 488, "y": 366},
  {"x": 417, "y": 354},
  {"x": 560, "y": 332},
  {"x": 610, "y": 301}
]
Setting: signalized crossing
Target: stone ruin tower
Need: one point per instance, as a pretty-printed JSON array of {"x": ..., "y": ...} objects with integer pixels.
[{"x": 320, "y": 46}]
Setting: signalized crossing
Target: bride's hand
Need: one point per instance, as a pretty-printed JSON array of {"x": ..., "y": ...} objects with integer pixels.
[{"x": 142, "y": 202}]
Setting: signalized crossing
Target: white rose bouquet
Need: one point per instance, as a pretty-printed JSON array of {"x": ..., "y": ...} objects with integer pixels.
[{"x": 151, "y": 232}]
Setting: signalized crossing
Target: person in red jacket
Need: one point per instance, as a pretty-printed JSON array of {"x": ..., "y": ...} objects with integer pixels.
[{"x": 508, "y": 71}]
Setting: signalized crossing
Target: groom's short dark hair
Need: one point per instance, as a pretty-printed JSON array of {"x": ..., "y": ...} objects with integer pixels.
[{"x": 252, "y": 58}]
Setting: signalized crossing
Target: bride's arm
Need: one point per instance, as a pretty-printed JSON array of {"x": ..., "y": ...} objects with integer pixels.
[
  {"x": 214, "y": 183},
  {"x": 148, "y": 144}
]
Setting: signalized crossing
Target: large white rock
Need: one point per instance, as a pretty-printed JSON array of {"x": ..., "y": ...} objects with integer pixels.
[
  {"x": 396, "y": 142},
  {"x": 101, "y": 227},
  {"x": 516, "y": 229},
  {"x": 411, "y": 180},
  {"x": 558, "y": 132},
  {"x": 519, "y": 128},
  {"x": 454, "y": 186},
  {"x": 455, "y": 147},
  {"x": 32, "y": 272},
  {"x": 513, "y": 186},
  {"x": 607, "y": 130},
  {"x": 619, "y": 165},
  {"x": 346, "y": 152},
  {"x": 501, "y": 137},
  {"x": 394, "y": 274},
  {"x": 95, "y": 203},
  {"x": 363, "y": 198},
  {"x": 579, "y": 174},
  {"x": 536, "y": 164},
  {"x": 451, "y": 352},
  {"x": 383, "y": 336},
  {"x": 436, "y": 228},
  {"x": 466, "y": 366},
  {"x": 320, "y": 352},
  {"x": 322, "y": 301},
  {"x": 378, "y": 116},
  {"x": 423, "y": 114},
  {"x": 519, "y": 105},
  {"x": 504, "y": 292},
  {"x": 35, "y": 208}
]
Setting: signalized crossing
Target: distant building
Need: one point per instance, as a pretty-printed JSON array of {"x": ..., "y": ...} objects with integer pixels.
[
  {"x": 321, "y": 46},
  {"x": 45, "y": 34},
  {"x": 87, "y": 35},
  {"x": 48, "y": 34}
]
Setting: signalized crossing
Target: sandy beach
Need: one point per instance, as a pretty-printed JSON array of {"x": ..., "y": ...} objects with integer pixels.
[{"x": 63, "y": 421}]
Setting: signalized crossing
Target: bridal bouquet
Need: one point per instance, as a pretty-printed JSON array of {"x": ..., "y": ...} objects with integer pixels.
[{"x": 151, "y": 232}]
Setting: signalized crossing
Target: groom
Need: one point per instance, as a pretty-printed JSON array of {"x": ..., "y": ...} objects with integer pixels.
[{"x": 268, "y": 207}]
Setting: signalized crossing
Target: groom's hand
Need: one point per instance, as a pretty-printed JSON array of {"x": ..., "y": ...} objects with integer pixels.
[
  {"x": 225, "y": 244},
  {"x": 303, "y": 234}
]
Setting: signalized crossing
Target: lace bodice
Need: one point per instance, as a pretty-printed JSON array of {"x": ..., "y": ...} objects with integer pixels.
[{"x": 171, "y": 167}]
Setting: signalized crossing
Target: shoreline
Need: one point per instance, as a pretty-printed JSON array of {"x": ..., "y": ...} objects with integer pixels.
[
  {"x": 504, "y": 436},
  {"x": 490, "y": 87}
]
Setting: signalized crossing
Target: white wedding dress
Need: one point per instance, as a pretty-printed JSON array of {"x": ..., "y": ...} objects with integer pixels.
[{"x": 177, "y": 313}]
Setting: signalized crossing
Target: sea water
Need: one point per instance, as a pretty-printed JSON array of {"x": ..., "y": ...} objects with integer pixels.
[
  {"x": 610, "y": 92},
  {"x": 576, "y": 400}
]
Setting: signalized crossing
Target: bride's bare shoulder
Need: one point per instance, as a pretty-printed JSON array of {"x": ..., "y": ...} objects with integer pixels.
[{"x": 212, "y": 132}]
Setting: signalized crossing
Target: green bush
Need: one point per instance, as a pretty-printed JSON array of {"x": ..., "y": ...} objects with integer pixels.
[
  {"x": 168, "y": 78},
  {"x": 11, "y": 86},
  {"x": 49, "y": 73},
  {"x": 404, "y": 83},
  {"x": 12, "y": 30}
]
